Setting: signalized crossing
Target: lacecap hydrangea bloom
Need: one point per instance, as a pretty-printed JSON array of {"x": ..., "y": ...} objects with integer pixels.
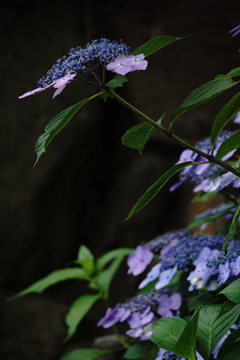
[
  {"x": 214, "y": 267},
  {"x": 205, "y": 176},
  {"x": 180, "y": 250},
  {"x": 141, "y": 311},
  {"x": 114, "y": 56}
]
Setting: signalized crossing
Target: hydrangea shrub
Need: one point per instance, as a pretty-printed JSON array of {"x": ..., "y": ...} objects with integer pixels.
[{"x": 188, "y": 302}]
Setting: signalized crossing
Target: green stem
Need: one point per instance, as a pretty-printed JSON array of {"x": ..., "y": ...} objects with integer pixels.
[{"x": 182, "y": 142}]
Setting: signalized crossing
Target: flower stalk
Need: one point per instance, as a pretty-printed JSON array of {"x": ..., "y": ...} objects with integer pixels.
[{"x": 168, "y": 133}]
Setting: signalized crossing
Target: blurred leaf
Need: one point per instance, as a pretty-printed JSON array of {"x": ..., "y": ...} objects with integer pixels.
[
  {"x": 84, "y": 354},
  {"x": 186, "y": 344},
  {"x": 155, "y": 44},
  {"x": 109, "y": 256},
  {"x": 157, "y": 186},
  {"x": 224, "y": 116},
  {"x": 230, "y": 350},
  {"x": 201, "y": 95},
  {"x": 167, "y": 331},
  {"x": 52, "y": 279},
  {"x": 232, "y": 229},
  {"x": 203, "y": 196},
  {"x": 57, "y": 124},
  {"x": 232, "y": 291},
  {"x": 208, "y": 218},
  {"x": 77, "y": 311},
  {"x": 214, "y": 322},
  {"x": 232, "y": 143},
  {"x": 232, "y": 73},
  {"x": 205, "y": 298},
  {"x": 137, "y": 136},
  {"x": 105, "y": 277},
  {"x": 138, "y": 350},
  {"x": 86, "y": 259}
]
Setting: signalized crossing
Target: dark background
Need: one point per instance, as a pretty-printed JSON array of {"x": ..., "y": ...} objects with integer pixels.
[{"x": 83, "y": 188}]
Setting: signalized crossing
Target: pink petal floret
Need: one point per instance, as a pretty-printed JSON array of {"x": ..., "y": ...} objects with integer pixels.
[
  {"x": 124, "y": 64},
  {"x": 58, "y": 84}
]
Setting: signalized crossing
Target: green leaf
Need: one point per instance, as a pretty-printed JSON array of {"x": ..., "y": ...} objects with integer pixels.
[
  {"x": 207, "y": 316},
  {"x": 137, "y": 136},
  {"x": 232, "y": 73},
  {"x": 84, "y": 354},
  {"x": 104, "y": 278},
  {"x": 155, "y": 44},
  {"x": 86, "y": 259},
  {"x": 57, "y": 124},
  {"x": 117, "y": 81},
  {"x": 52, "y": 279},
  {"x": 232, "y": 229},
  {"x": 208, "y": 218},
  {"x": 78, "y": 310},
  {"x": 224, "y": 116},
  {"x": 157, "y": 186},
  {"x": 227, "y": 317},
  {"x": 230, "y": 350},
  {"x": 201, "y": 95},
  {"x": 214, "y": 322},
  {"x": 186, "y": 344},
  {"x": 138, "y": 350},
  {"x": 205, "y": 298},
  {"x": 167, "y": 331},
  {"x": 203, "y": 196},
  {"x": 232, "y": 143},
  {"x": 113, "y": 254},
  {"x": 232, "y": 291}
]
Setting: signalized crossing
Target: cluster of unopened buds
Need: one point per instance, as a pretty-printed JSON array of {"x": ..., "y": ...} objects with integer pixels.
[{"x": 110, "y": 55}]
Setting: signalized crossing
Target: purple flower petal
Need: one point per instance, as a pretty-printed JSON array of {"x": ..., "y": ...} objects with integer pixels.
[
  {"x": 224, "y": 272},
  {"x": 138, "y": 260},
  {"x": 165, "y": 277},
  {"x": 152, "y": 275}
]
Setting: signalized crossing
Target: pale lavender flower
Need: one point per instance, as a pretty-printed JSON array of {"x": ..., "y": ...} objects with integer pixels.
[
  {"x": 235, "y": 267},
  {"x": 125, "y": 64},
  {"x": 223, "y": 273},
  {"x": 58, "y": 84},
  {"x": 169, "y": 355},
  {"x": 152, "y": 275},
  {"x": 112, "y": 316},
  {"x": 236, "y": 120},
  {"x": 138, "y": 260},
  {"x": 165, "y": 277},
  {"x": 136, "y": 319},
  {"x": 205, "y": 175},
  {"x": 235, "y": 31},
  {"x": 168, "y": 304}
]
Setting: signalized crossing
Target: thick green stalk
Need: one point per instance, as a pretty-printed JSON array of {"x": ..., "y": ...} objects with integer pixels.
[{"x": 176, "y": 138}]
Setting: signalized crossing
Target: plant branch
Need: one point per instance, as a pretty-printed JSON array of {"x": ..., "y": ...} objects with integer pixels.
[{"x": 176, "y": 138}]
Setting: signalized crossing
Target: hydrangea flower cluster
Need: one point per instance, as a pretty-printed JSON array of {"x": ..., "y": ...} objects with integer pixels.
[
  {"x": 206, "y": 175},
  {"x": 141, "y": 311},
  {"x": 113, "y": 55},
  {"x": 143, "y": 255},
  {"x": 180, "y": 253},
  {"x": 168, "y": 355},
  {"x": 215, "y": 265}
]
